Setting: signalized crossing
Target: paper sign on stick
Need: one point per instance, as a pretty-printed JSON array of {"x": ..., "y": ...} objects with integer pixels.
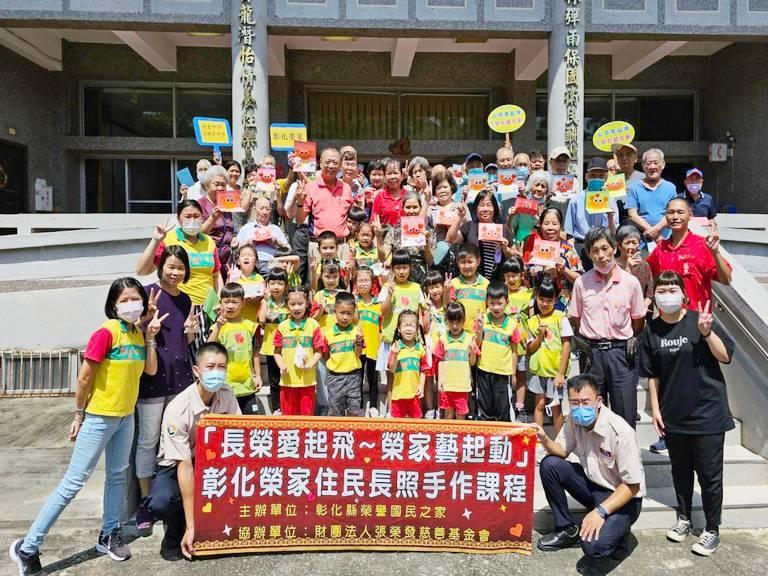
[
  {"x": 506, "y": 118},
  {"x": 283, "y": 136},
  {"x": 490, "y": 232},
  {"x": 544, "y": 253},
  {"x": 616, "y": 185},
  {"x": 598, "y": 202},
  {"x": 526, "y": 206},
  {"x": 229, "y": 201},
  {"x": 212, "y": 131},
  {"x": 611, "y": 135},
  {"x": 412, "y": 231},
  {"x": 307, "y": 154}
]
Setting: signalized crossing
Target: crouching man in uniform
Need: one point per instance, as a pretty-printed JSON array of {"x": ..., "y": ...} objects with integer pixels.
[
  {"x": 608, "y": 479},
  {"x": 171, "y": 497}
]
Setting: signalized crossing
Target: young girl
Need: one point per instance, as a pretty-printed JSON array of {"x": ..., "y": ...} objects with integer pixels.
[
  {"x": 369, "y": 315},
  {"x": 322, "y": 301},
  {"x": 433, "y": 324},
  {"x": 407, "y": 362},
  {"x": 364, "y": 250},
  {"x": 387, "y": 206},
  {"x": 272, "y": 312},
  {"x": 287, "y": 259},
  {"x": 107, "y": 388},
  {"x": 549, "y": 349},
  {"x": 251, "y": 281},
  {"x": 421, "y": 257},
  {"x": 456, "y": 352},
  {"x": 299, "y": 346},
  {"x": 520, "y": 302},
  {"x": 376, "y": 183}
]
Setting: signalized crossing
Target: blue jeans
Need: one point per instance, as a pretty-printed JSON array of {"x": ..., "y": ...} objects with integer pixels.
[{"x": 97, "y": 434}]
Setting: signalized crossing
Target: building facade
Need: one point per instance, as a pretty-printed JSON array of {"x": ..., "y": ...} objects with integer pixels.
[{"x": 98, "y": 95}]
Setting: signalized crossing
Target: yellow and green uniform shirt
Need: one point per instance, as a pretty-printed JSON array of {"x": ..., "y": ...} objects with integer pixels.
[
  {"x": 455, "y": 371},
  {"x": 519, "y": 302},
  {"x": 250, "y": 309},
  {"x": 407, "y": 372},
  {"x": 472, "y": 296},
  {"x": 201, "y": 264},
  {"x": 115, "y": 386},
  {"x": 275, "y": 315},
  {"x": 237, "y": 338},
  {"x": 437, "y": 326},
  {"x": 546, "y": 360},
  {"x": 499, "y": 342},
  {"x": 341, "y": 349},
  {"x": 365, "y": 257},
  {"x": 295, "y": 335},
  {"x": 325, "y": 301},
  {"x": 370, "y": 320},
  {"x": 406, "y": 296}
]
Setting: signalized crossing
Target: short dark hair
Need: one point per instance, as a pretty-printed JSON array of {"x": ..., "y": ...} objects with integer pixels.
[
  {"x": 327, "y": 235},
  {"x": 535, "y": 154},
  {"x": 375, "y": 165},
  {"x": 598, "y": 233},
  {"x": 365, "y": 269},
  {"x": 229, "y": 163},
  {"x": 210, "y": 348},
  {"x": 551, "y": 210},
  {"x": 117, "y": 287},
  {"x": 482, "y": 195},
  {"x": 392, "y": 162},
  {"x": 497, "y": 289},
  {"x": 356, "y": 214},
  {"x": 676, "y": 199},
  {"x": 331, "y": 266},
  {"x": 251, "y": 168},
  {"x": 468, "y": 250},
  {"x": 176, "y": 251},
  {"x": 433, "y": 277},
  {"x": 247, "y": 246},
  {"x": 401, "y": 257},
  {"x": 300, "y": 289},
  {"x": 444, "y": 176},
  {"x": 669, "y": 278},
  {"x": 277, "y": 274},
  {"x": 232, "y": 290},
  {"x": 514, "y": 265},
  {"x": 580, "y": 381},
  {"x": 343, "y": 297},
  {"x": 282, "y": 251},
  {"x": 455, "y": 312},
  {"x": 186, "y": 204},
  {"x": 547, "y": 287}
]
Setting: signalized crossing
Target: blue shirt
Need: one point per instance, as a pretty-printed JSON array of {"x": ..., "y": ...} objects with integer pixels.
[
  {"x": 703, "y": 206},
  {"x": 651, "y": 205},
  {"x": 578, "y": 221}
]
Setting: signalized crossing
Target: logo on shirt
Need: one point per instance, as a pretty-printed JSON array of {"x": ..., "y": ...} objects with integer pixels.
[
  {"x": 171, "y": 429},
  {"x": 674, "y": 344}
]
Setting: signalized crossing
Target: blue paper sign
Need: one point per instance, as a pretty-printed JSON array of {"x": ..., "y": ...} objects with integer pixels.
[
  {"x": 185, "y": 177},
  {"x": 212, "y": 131}
]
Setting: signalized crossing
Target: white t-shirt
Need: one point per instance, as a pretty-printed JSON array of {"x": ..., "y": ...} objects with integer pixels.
[{"x": 195, "y": 192}]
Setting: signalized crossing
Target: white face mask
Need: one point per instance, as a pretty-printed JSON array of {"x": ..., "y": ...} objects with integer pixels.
[
  {"x": 201, "y": 176},
  {"x": 131, "y": 311},
  {"x": 670, "y": 302},
  {"x": 192, "y": 226}
]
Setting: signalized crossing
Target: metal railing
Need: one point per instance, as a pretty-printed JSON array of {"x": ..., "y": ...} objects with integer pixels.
[{"x": 26, "y": 373}]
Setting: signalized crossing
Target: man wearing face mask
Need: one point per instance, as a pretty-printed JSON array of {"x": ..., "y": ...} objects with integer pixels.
[
  {"x": 171, "y": 497},
  {"x": 608, "y": 479},
  {"x": 702, "y": 204},
  {"x": 197, "y": 190}
]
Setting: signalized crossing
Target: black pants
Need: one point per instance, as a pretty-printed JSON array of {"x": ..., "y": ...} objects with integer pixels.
[
  {"x": 300, "y": 243},
  {"x": 249, "y": 405},
  {"x": 617, "y": 381},
  {"x": 273, "y": 377},
  {"x": 559, "y": 476},
  {"x": 492, "y": 393},
  {"x": 164, "y": 502},
  {"x": 368, "y": 371},
  {"x": 703, "y": 454}
]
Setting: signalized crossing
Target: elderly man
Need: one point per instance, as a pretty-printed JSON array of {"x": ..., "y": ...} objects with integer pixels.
[
  {"x": 626, "y": 158},
  {"x": 702, "y": 204},
  {"x": 647, "y": 198},
  {"x": 505, "y": 157},
  {"x": 608, "y": 479},
  {"x": 559, "y": 161},
  {"x": 195, "y": 191}
]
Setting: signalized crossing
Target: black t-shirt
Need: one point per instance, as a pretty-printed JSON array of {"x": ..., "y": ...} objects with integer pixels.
[
  {"x": 692, "y": 394},
  {"x": 488, "y": 250}
]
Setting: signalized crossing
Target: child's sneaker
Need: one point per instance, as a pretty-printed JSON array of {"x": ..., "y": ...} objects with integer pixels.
[
  {"x": 373, "y": 413},
  {"x": 430, "y": 415},
  {"x": 143, "y": 516}
]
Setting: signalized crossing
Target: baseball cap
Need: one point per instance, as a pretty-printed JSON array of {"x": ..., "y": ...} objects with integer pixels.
[
  {"x": 473, "y": 156},
  {"x": 694, "y": 171},
  {"x": 491, "y": 166},
  {"x": 616, "y": 147},
  {"x": 597, "y": 163},
  {"x": 560, "y": 151}
]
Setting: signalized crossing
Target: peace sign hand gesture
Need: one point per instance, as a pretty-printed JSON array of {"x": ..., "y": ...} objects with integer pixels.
[
  {"x": 155, "y": 324},
  {"x": 713, "y": 238},
  {"x": 191, "y": 325},
  {"x": 152, "y": 301},
  {"x": 161, "y": 230},
  {"x": 705, "y": 319}
]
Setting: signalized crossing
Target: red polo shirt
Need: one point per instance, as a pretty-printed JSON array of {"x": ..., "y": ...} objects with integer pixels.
[
  {"x": 328, "y": 206},
  {"x": 693, "y": 261},
  {"x": 388, "y": 209}
]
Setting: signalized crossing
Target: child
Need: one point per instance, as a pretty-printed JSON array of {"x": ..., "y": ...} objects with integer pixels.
[
  {"x": 252, "y": 281},
  {"x": 369, "y": 314},
  {"x": 327, "y": 245},
  {"x": 355, "y": 217},
  {"x": 364, "y": 250},
  {"x": 455, "y": 354},
  {"x": 395, "y": 298},
  {"x": 520, "y": 301},
  {"x": 470, "y": 287},
  {"x": 498, "y": 336},
  {"x": 236, "y": 334},
  {"x": 344, "y": 345},
  {"x": 421, "y": 256},
  {"x": 324, "y": 298},
  {"x": 376, "y": 183},
  {"x": 549, "y": 349},
  {"x": 299, "y": 345},
  {"x": 434, "y": 326},
  {"x": 288, "y": 261},
  {"x": 272, "y": 312},
  {"x": 407, "y": 361}
]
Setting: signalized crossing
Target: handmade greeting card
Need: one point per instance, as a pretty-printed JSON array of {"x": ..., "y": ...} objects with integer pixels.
[
  {"x": 266, "y": 180},
  {"x": 526, "y": 206},
  {"x": 306, "y": 152},
  {"x": 544, "y": 253},
  {"x": 616, "y": 185},
  {"x": 563, "y": 184},
  {"x": 229, "y": 201},
  {"x": 490, "y": 232},
  {"x": 412, "y": 231},
  {"x": 446, "y": 215},
  {"x": 261, "y": 234},
  {"x": 598, "y": 202}
]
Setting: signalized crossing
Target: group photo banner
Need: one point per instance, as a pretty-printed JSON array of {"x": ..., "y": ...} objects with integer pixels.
[{"x": 266, "y": 484}]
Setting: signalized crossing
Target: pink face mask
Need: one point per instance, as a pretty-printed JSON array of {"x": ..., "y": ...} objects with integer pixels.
[{"x": 606, "y": 268}]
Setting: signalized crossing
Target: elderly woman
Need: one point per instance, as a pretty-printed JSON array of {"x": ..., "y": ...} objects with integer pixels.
[
  {"x": 536, "y": 188},
  {"x": 217, "y": 224},
  {"x": 264, "y": 235},
  {"x": 419, "y": 174},
  {"x": 630, "y": 259}
]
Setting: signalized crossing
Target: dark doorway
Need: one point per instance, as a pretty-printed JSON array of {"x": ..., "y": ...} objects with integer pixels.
[{"x": 13, "y": 177}]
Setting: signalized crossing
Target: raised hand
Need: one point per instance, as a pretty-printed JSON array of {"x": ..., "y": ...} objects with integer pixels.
[
  {"x": 191, "y": 324},
  {"x": 156, "y": 324},
  {"x": 161, "y": 230},
  {"x": 713, "y": 238},
  {"x": 704, "y": 323}
]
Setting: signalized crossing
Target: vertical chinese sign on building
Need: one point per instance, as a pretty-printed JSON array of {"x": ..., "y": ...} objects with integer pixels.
[
  {"x": 247, "y": 59},
  {"x": 265, "y": 484},
  {"x": 573, "y": 77}
]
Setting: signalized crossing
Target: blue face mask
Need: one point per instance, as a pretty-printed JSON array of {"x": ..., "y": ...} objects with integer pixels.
[
  {"x": 584, "y": 415},
  {"x": 522, "y": 172},
  {"x": 595, "y": 184},
  {"x": 213, "y": 380}
]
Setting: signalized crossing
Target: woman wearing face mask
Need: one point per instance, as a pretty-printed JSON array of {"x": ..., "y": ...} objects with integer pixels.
[
  {"x": 107, "y": 388},
  {"x": 680, "y": 353},
  {"x": 204, "y": 265}
]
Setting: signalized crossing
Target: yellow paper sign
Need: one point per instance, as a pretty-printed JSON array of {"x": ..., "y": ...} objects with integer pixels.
[
  {"x": 282, "y": 136},
  {"x": 506, "y": 118},
  {"x": 613, "y": 134},
  {"x": 598, "y": 202},
  {"x": 212, "y": 131},
  {"x": 616, "y": 185}
]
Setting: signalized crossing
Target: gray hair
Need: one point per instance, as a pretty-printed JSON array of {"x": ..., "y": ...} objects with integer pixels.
[
  {"x": 652, "y": 151},
  {"x": 535, "y": 178},
  {"x": 598, "y": 233},
  {"x": 213, "y": 171},
  {"x": 628, "y": 231},
  {"x": 421, "y": 162}
]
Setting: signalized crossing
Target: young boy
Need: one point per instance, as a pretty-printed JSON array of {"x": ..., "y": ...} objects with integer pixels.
[
  {"x": 455, "y": 354},
  {"x": 344, "y": 345},
  {"x": 469, "y": 287},
  {"x": 498, "y": 336},
  {"x": 287, "y": 259},
  {"x": 273, "y": 311},
  {"x": 520, "y": 306},
  {"x": 236, "y": 335},
  {"x": 171, "y": 496}
]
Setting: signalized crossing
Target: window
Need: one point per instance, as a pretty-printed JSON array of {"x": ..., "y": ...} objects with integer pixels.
[
  {"x": 149, "y": 184},
  {"x": 336, "y": 115},
  {"x": 191, "y": 102},
  {"x": 104, "y": 186}
]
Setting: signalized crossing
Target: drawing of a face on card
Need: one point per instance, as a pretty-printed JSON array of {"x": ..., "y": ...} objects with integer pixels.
[
  {"x": 265, "y": 179},
  {"x": 563, "y": 184},
  {"x": 616, "y": 185},
  {"x": 477, "y": 180},
  {"x": 412, "y": 231},
  {"x": 446, "y": 215},
  {"x": 306, "y": 152},
  {"x": 526, "y": 206},
  {"x": 229, "y": 201},
  {"x": 457, "y": 172},
  {"x": 544, "y": 253},
  {"x": 598, "y": 202},
  {"x": 490, "y": 232},
  {"x": 261, "y": 234}
]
